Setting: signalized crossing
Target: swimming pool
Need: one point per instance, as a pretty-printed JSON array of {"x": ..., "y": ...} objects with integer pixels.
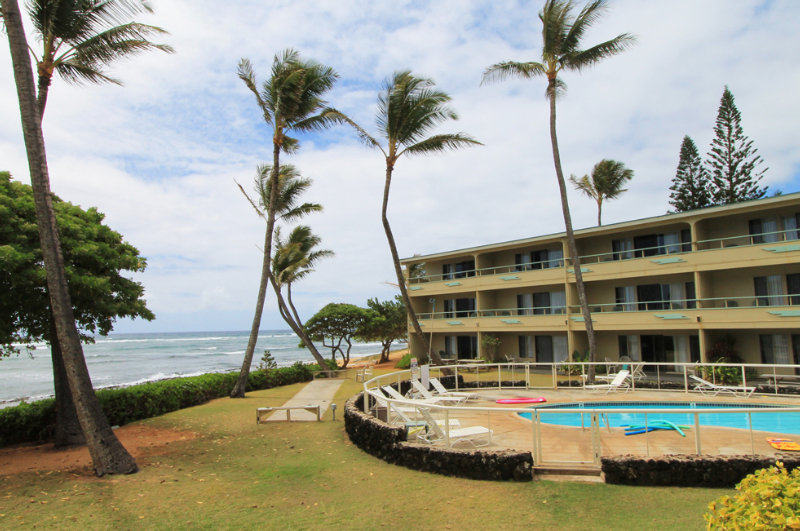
[{"x": 770, "y": 420}]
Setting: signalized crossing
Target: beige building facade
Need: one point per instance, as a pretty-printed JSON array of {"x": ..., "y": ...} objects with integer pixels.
[{"x": 673, "y": 288}]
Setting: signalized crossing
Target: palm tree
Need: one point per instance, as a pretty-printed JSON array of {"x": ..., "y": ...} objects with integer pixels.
[
  {"x": 608, "y": 177},
  {"x": 409, "y": 108},
  {"x": 108, "y": 454},
  {"x": 81, "y": 37},
  {"x": 295, "y": 259},
  {"x": 561, "y": 36},
  {"x": 290, "y": 186}
]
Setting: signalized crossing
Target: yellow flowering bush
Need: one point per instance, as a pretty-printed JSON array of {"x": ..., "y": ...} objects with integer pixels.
[{"x": 767, "y": 499}]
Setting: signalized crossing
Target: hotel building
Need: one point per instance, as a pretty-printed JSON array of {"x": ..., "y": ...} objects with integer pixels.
[{"x": 664, "y": 289}]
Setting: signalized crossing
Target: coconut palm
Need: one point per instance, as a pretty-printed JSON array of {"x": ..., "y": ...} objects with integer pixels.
[
  {"x": 108, "y": 454},
  {"x": 295, "y": 259},
  {"x": 561, "y": 50},
  {"x": 608, "y": 177},
  {"x": 288, "y": 208},
  {"x": 409, "y": 107},
  {"x": 80, "y": 38}
]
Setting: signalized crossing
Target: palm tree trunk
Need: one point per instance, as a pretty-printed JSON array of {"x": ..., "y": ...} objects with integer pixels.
[
  {"x": 41, "y": 99},
  {"x": 296, "y": 327},
  {"x": 401, "y": 281},
  {"x": 573, "y": 247},
  {"x": 68, "y": 428},
  {"x": 240, "y": 387},
  {"x": 599, "y": 212},
  {"x": 108, "y": 454}
]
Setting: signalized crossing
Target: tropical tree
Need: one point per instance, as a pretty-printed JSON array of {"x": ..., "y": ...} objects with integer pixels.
[
  {"x": 108, "y": 454},
  {"x": 338, "y": 323},
  {"x": 387, "y": 324},
  {"x": 691, "y": 184},
  {"x": 561, "y": 50},
  {"x": 290, "y": 186},
  {"x": 290, "y": 102},
  {"x": 95, "y": 257},
  {"x": 80, "y": 38},
  {"x": 732, "y": 159},
  {"x": 607, "y": 181},
  {"x": 295, "y": 259},
  {"x": 409, "y": 108}
]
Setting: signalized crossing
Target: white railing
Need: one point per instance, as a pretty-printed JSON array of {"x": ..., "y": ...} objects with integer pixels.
[{"x": 594, "y": 435}]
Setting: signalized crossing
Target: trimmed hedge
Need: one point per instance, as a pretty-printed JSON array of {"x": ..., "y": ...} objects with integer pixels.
[{"x": 35, "y": 422}]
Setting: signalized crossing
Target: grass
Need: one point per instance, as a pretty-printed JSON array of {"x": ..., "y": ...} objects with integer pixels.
[{"x": 309, "y": 476}]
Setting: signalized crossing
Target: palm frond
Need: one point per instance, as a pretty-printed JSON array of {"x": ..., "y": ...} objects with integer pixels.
[
  {"x": 252, "y": 203},
  {"x": 75, "y": 72},
  {"x": 597, "y": 53},
  {"x": 117, "y": 42},
  {"x": 511, "y": 69},
  {"x": 439, "y": 143}
]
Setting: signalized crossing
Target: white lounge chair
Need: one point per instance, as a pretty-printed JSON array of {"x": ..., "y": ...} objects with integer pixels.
[
  {"x": 394, "y": 394},
  {"x": 401, "y": 413},
  {"x": 620, "y": 381},
  {"x": 428, "y": 396},
  {"x": 474, "y": 435},
  {"x": 443, "y": 391},
  {"x": 704, "y": 386}
]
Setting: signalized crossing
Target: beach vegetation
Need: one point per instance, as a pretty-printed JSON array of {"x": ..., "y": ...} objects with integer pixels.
[
  {"x": 733, "y": 161},
  {"x": 409, "y": 108},
  {"x": 404, "y": 362},
  {"x": 605, "y": 183},
  {"x": 291, "y": 101},
  {"x": 490, "y": 343},
  {"x": 691, "y": 186},
  {"x": 108, "y": 454},
  {"x": 337, "y": 325},
  {"x": 267, "y": 362},
  {"x": 562, "y": 32},
  {"x": 387, "y": 323}
]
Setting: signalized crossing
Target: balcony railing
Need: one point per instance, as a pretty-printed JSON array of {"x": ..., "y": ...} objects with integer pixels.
[
  {"x": 632, "y": 254},
  {"x": 637, "y": 306}
]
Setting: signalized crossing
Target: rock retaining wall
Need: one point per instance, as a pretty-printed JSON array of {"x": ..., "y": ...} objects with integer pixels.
[
  {"x": 390, "y": 444},
  {"x": 688, "y": 470}
]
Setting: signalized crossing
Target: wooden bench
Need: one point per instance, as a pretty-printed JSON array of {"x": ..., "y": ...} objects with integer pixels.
[{"x": 263, "y": 411}]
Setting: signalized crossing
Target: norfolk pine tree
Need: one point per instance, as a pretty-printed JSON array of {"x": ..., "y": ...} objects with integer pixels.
[
  {"x": 691, "y": 184},
  {"x": 733, "y": 160}
]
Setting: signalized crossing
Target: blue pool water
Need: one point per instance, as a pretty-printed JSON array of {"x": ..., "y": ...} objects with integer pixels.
[{"x": 770, "y": 420}]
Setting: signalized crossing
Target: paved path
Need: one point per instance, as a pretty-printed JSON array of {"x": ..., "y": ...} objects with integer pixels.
[{"x": 316, "y": 392}]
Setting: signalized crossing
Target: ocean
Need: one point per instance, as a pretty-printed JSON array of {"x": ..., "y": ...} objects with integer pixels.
[{"x": 127, "y": 359}]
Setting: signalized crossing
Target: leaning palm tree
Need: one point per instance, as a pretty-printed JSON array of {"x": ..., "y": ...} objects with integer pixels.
[
  {"x": 608, "y": 177},
  {"x": 291, "y": 186},
  {"x": 294, "y": 260},
  {"x": 409, "y": 108},
  {"x": 290, "y": 101},
  {"x": 80, "y": 38},
  {"x": 108, "y": 454},
  {"x": 561, "y": 41}
]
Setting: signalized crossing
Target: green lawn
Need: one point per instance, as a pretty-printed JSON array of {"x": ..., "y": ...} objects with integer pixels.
[{"x": 239, "y": 475}]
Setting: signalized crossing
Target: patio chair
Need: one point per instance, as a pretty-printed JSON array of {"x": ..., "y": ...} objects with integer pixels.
[
  {"x": 427, "y": 395},
  {"x": 637, "y": 371},
  {"x": 619, "y": 382},
  {"x": 474, "y": 435},
  {"x": 394, "y": 394},
  {"x": 401, "y": 413},
  {"x": 706, "y": 387},
  {"x": 443, "y": 391}
]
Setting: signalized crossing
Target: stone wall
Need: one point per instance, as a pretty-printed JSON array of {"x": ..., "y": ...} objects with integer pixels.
[
  {"x": 688, "y": 470},
  {"x": 390, "y": 444}
]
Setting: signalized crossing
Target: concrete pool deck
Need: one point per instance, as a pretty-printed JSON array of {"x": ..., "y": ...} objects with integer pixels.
[{"x": 564, "y": 445}]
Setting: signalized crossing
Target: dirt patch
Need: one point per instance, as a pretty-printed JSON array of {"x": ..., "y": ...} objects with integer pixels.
[{"x": 139, "y": 440}]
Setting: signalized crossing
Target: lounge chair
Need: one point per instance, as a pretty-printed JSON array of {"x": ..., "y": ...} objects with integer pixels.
[
  {"x": 394, "y": 394},
  {"x": 474, "y": 435},
  {"x": 429, "y": 397},
  {"x": 704, "y": 386},
  {"x": 637, "y": 371},
  {"x": 443, "y": 391},
  {"x": 620, "y": 381},
  {"x": 400, "y": 413}
]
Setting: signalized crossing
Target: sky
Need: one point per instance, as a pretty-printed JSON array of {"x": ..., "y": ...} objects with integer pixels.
[{"x": 161, "y": 155}]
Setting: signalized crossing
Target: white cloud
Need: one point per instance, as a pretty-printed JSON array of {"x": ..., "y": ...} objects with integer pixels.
[{"x": 159, "y": 156}]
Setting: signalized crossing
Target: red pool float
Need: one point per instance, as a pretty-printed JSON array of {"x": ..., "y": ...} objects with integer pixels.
[{"x": 521, "y": 400}]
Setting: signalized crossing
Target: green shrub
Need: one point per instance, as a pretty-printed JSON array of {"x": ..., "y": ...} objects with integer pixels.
[
  {"x": 722, "y": 374},
  {"x": 35, "y": 422},
  {"x": 404, "y": 362},
  {"x": 767, "y": 499}
]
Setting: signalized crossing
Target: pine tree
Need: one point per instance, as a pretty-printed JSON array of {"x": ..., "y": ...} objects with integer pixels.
[
  {"x": 733, "y": 160},
  {"x": 691, "y": 184}
]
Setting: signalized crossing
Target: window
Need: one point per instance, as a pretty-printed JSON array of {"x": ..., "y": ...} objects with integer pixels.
[
  {"x": 666, "y": 243},
  {"x": 774, "y": 348},
  {"x": 629, "y": 346},
  {"x": 461, "y": 346},
  {"x": 768, "y": 290},
  {"x": 458, "y": 270},
  {"x": 546, "y": 259},
  {"x": 459, "y": 308},
  {"x": 764, "y": 230},
  {"x": 653, "y": 296},
  {"x": 525, "y": 304},
  {"x": 526, "y": 349},
  {"x": 690, "y": 295},
  {"x": 625, "y": 298},
  {"x": 790, "y": 225},
  {"x": 622, "y": 249},
  {"x": 793, "y": 288}
]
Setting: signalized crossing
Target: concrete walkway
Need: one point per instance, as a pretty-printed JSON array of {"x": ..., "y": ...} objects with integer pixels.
[{"x": 317, "y": 392}]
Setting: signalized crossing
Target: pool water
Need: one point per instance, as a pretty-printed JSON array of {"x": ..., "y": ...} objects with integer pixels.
[{"x": 770, "y": 420}]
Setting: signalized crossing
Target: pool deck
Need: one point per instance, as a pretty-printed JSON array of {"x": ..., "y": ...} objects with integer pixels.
[{"x": 563, "y": 445}]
